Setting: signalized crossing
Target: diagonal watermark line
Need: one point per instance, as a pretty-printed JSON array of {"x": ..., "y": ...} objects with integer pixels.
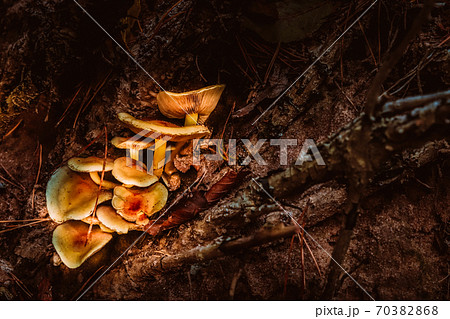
[
  {"x": 312, "y": 238},
  {"x": 134, "y": 242},
  {"x": 127, "y": 53},
  {"x": 315, "y": 61}
]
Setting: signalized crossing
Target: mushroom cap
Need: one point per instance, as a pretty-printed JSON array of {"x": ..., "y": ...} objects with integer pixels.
[
  {"x": 94, "y": 221},
  {"x": 166, "y": 130},
  {"x": 69, "y": 240},
  {"x": 89, "y": 164},
  {"x": 129, "y": 143},
  {"x": 131, "y": 204},
  {"x": 131, "y": 172},
  {"x": 91, "y": 220},
  {"x": 109, "y": 218},
  {"x": 72, "y": 195},
  {"x": 105, "y": 183},
  {"x": 202, "y": 101}
]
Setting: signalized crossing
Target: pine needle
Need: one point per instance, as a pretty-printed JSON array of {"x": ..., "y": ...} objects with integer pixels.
[
  {"x": 13, "y": 129},
  {"x": 99, "y": 186},
  {"x": 25, "y": 225},
  {"x": 37, "y": 177}
]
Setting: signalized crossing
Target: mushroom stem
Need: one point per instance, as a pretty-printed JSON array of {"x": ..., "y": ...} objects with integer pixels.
[
  {"x": 159, "y": 157},
  {"x": 134, "y": 152},
  {"x": 191, "y": 119}
]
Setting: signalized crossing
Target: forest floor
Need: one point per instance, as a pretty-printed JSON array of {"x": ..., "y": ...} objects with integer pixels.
[{"x": 52, "y": 53}]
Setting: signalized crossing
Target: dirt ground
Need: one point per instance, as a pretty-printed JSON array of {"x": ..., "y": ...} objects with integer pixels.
[{"x": 63, "y": 80}]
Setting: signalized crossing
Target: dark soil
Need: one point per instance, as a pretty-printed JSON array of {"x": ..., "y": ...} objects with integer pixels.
[{"x": 50, "y": 50}]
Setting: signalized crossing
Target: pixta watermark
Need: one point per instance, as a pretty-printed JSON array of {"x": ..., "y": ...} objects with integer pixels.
[
  {"x": 309, "y": 151},
  {"x": 151, "y": 143}
]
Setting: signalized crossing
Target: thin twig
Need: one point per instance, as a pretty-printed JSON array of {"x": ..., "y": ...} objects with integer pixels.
[
  {"x": 346, "y": 96},
  {"x": 99, "y": 186},
  {"x": 13, "y": 129},
  {"x": 301, "y": 240},
  {"x": 368, "y": 44},
  {"x": 272, "y": 61},
  {"x": 68, "y": 107},
  {"x": 198, "y": 68},
  {"x": 314, "y": 258},
  {"x": 247, "y": 58},
  {"x": 86, "y": 282},
  {"x": 98, "y": 88},
  {"x": 288, "y": 263},
  {"x": 444, "y": 41},
  {"x": 16, "y": 182},
  {"x": 21, "y": 220},
  {"x": 9, "y": 182},
  {"x": 21, "y": 285},
  {"x": 26, "y": 225},
  {"x": 37, "y": 177},
  {"x": 81, "y": 151},
  {"x": 376, "y": 88},
  {"x": 161, "y": 21}
]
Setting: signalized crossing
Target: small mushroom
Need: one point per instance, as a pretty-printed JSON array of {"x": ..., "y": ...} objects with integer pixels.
[
  {"x": 72, "y": 244},
  {"x": 105, "y": 183},
  {"x": 93, "y": 165},
  {"x": 89, "y": 164},
  {"x": 194, "y": 106},
  {"x": 134, "y": 146},
  {"x": 134, "y": 205},
  {"x": 162, "y": 132},
  {"x": 132, "y": 173},
  {"x": 72, "y": 195},
  {"x": 109, "y": 217},
  {"x": 91, "y": 220},
  {"x": 94, "y": 221}
]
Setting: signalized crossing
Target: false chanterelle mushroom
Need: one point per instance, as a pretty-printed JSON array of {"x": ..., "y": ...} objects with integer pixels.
[
  {"x": 194, "y": 106},
  {"x": 93, "y": 165},
  {"x": 73, "y": 243},
  {"x": 74, "y": 192},
  {"x": 72, "y": 195},
  {"x": 161, "y": 132},
  {"x": 135, "y": 205},
  {"x": 108, "y": 217},
  {"x": 132, "y": 173}
]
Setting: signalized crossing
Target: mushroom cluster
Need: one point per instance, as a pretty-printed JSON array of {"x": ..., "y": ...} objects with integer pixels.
[
  {"x": 164, "y": 139},
  {"x": 73, "y": 194},
  {"x": 90, "y": 209}
]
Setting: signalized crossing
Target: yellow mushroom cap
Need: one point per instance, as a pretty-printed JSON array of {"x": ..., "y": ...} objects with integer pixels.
[
  {"x": 202, "y": 101},
  {"x": 89, "y": 164},
  {"x": 91, "y": 220},
  {"x": 72, "y": 195},
  {"x": 109, "y": 218},
  {"x": 129, "y": 143},
  {"x": 69, "y": 240},
  {"x": 105, "y": 183},
  {"x": 130, "y": 204},
  {"x": 94, "y": 221},
  {"x": 163, "y": 129},
  {"x": 131, "y": 172}
]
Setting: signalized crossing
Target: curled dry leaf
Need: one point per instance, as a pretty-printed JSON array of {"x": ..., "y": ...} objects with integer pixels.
[
  {"x": 189, "y": 207},
  {"x": 222, "y": 187}
]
